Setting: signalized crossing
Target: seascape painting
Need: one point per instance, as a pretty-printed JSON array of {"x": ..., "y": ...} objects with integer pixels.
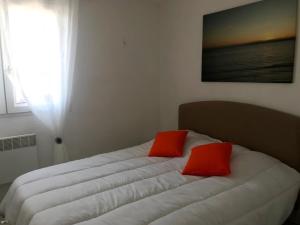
[{"x": 251, "y": 43}]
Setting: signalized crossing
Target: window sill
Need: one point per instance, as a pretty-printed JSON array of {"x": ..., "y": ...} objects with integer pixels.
[{"x": 11, "y": 115}]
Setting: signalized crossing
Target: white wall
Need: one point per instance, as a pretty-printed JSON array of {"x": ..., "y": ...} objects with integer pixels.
[
  {"x": 116, "y": 82},
  {"x": 180, "y": 65},
  {"x": 116, "y": 101},
  {"x": 136, "y": 63}
]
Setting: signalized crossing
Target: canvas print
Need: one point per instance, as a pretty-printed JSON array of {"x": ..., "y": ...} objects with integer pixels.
[{"x": 251, "y": 43}]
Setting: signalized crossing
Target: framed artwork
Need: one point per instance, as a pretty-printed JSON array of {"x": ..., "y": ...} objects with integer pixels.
[{"x": 251, "y": 43}]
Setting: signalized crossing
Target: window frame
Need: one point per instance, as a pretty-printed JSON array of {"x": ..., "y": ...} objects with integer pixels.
[
  {"x": 7, "y": 94},
  {"x": 11, "y": 106},
  {"x": 3, "y": 109}
]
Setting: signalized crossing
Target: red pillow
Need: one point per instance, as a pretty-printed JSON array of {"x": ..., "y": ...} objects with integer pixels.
[
  {"x": 209, "y": 160},
  {"x": 168, "y": 143}
]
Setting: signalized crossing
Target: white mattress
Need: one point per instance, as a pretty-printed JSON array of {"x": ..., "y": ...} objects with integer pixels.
[{"x": 127, "y": 187}]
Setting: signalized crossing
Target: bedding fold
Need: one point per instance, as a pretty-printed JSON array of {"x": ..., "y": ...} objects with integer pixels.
[{"x": 127, "y": 187}]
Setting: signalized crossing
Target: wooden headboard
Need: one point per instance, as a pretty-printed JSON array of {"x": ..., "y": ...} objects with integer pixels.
[{"x": 261, "y": 129}]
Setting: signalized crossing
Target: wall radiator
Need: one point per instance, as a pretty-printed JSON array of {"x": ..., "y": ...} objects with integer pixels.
[{"x": 18, "y": 155}]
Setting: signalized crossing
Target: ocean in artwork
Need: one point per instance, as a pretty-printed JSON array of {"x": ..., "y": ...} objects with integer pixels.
[
  {"x": 271, "y": 61},
  {"x": 250, "y": 43}
]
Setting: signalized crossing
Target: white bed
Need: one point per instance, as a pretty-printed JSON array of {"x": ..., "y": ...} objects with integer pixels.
[{"x": 128, "y": 188}]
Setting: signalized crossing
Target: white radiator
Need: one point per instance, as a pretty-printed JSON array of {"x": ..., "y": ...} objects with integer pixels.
[{"x": 18, "y": 155}]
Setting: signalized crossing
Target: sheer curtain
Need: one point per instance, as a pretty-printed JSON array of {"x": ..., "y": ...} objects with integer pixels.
[{"x": 38, "y": 39}]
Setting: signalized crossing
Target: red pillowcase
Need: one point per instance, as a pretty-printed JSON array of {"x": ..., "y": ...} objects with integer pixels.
[
  {"x": 209, "y": 160},
  {"x": 168, "y": 144}
]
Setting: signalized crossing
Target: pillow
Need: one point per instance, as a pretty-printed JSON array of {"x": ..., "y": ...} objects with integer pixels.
[
  {"x": 168, "y": 144},
  {"x": 209, "y": 160}
]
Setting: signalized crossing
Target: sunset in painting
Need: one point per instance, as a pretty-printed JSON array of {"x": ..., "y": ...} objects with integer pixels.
[
  {"x": 262, "y": 21},
  {"x": 250, "y": 43}
]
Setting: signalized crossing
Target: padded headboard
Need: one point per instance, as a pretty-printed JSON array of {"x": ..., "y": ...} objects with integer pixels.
[{"x": 261, "y": 129}]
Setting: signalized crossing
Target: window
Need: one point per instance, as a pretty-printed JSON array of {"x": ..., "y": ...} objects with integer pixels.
[{"x": 11, "y": 99}]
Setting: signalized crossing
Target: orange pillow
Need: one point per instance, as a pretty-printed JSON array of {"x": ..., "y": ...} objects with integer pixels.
[
  {"x": 168, "y": 144},
  {"x": 209, "y": 160}
]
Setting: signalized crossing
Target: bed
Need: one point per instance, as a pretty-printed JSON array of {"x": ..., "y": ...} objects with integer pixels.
[{"x": 127, "y": 187}]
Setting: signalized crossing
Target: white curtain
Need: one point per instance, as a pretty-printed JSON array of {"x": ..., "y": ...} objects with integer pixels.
[{"x": 38, "y": 40}]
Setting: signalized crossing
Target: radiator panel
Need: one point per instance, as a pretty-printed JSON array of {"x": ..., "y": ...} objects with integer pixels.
[{"x": 18, "y": 155}]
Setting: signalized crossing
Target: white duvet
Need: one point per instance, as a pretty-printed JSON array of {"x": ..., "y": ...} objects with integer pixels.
[{"x": 128, "y": 188}]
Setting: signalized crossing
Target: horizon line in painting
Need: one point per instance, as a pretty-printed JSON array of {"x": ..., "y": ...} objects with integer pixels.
[{"x": 251, "y": 43}]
